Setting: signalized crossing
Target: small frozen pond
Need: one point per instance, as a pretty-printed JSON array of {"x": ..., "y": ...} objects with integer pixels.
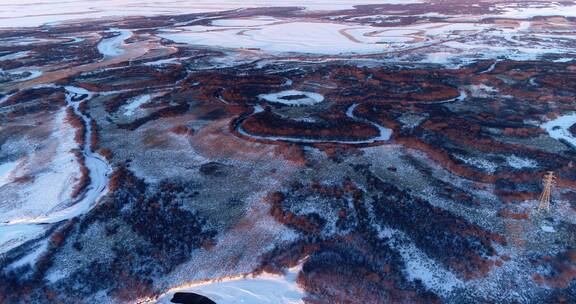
[{"x": 293, "y": 98}]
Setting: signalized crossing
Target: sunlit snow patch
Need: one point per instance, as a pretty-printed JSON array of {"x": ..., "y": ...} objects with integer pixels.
[
  {"x": 520, "y": 163},
  {"x": 263, "y": 289}
]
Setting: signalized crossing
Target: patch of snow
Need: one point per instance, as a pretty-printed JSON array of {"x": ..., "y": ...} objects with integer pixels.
[
  {"x": 480, "y": 163},
  {"x": 12, "y": 236},
  {"x": 32, "y": 256},
  {"x": 135, "y": 103},
  {"x": 481, "y": 90},
  {"x": 78, "y": 91},
  {"x": 418, "y": 265},
  {"x": 520, "y": 163},
  {"x": 14, "y": 56},
  {"x": 522, "y": 11},
  {"x": 33, "y": 74},
  {"x": 5, "y": 170},
  {"x": 562, "y": 60},
  {"x": 162, "y": 62},
  {"x": 258, "y": 109},
  {"x": 559, "y": 128}
]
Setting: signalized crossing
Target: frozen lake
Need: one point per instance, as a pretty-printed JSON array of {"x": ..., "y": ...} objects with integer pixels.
[{"x": 22, "y": 13}]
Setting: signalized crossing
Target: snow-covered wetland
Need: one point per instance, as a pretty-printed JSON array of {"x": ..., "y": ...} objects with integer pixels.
[{"x": 151, "y": 151}]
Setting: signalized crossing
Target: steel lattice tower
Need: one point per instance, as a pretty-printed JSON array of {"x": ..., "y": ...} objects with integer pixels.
[{"x": 548, "y": 182}]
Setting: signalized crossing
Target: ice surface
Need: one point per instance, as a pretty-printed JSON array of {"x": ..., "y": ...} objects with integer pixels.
[
  {"x": 294, "y": 37},
  {"x": 20, "y": 13}
]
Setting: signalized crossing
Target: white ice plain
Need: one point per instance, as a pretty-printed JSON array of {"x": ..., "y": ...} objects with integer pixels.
[
  {"x": 26, "y": 13},
  {"x": 294, "y": 37}
]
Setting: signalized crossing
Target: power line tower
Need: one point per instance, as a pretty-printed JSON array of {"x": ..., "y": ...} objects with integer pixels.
[{"x": 548, "y": 182}]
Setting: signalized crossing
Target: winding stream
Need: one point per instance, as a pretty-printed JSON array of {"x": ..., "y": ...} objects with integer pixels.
[
  {"x": 112, "y": 47},
  {"x": 385, "y": 133},
  {"x": 99, "y": 169}
]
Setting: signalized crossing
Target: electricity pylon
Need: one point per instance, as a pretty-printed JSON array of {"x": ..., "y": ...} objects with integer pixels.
[{"x": 547, "y": 181}]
